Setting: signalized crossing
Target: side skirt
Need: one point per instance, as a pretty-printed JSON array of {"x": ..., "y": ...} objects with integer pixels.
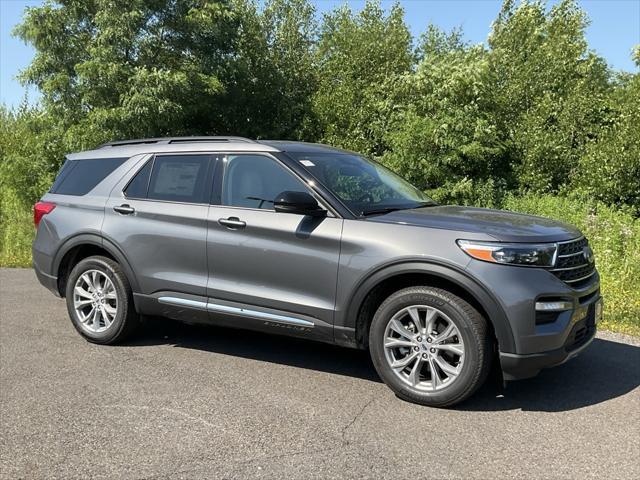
[{"x": 196, "y": 309}]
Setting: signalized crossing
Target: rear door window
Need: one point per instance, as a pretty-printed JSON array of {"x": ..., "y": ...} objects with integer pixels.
[
  {"x": 79, "y": 177},
  {"x": 180, "y": 178}
]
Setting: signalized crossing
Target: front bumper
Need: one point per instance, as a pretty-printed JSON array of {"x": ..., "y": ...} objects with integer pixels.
[{"x": 518, "y": 366}]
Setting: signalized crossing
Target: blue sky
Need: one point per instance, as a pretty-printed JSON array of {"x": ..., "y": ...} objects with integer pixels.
[{"x": 614, "y": 30}]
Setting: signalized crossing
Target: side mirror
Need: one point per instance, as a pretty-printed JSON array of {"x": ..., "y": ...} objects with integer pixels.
[{"x": 301, "y": 203}]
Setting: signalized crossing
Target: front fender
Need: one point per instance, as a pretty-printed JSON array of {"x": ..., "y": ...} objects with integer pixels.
[{"x": 345, "y": 324}]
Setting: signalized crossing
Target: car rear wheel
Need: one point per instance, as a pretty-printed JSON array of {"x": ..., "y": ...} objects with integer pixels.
[
  {"x": 429, "y": 346},
  {"x": 99, "y": 301}
]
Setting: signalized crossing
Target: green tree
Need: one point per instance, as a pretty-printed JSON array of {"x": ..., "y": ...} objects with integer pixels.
[
  {"x": 445, "y": 132},
  {"x": 125, "y": 68},
  {"x": 270, "y": 80},
  {"x": 610, "y": 169},
  {"x": 31, "y": 151},
  {"x": 120, "y": 69},
  {"x": 549, "y": 90},
  {"x": 360, "y": 57}
]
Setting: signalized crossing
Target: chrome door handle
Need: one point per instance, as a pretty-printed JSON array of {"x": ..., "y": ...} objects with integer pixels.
[
  {"x": 233, "y": 223},
  {"x": 124, "y": 209}
]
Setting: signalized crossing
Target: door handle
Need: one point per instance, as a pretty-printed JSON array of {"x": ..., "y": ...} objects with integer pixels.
[
  {"x": 233, "y": 223},
  {"x": 124, "y": 209}
]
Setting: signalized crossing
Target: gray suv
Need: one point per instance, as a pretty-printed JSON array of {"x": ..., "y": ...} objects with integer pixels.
[{"x": 314, "y": 242}]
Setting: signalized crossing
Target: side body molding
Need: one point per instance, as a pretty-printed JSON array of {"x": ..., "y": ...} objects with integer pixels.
[{"x": 346, "y": 318}]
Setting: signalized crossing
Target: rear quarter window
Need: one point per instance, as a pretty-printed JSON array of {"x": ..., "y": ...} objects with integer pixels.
[
  {"x": 79, "y": 177},
  {"x": 139, "y": 185}
]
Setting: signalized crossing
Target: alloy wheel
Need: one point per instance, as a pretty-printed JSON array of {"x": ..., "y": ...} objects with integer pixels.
[
  {"x": 424, "y": 348},
  {"x": 95, "y": 301}
]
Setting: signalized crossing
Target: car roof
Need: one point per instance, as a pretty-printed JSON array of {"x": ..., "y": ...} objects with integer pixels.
[
  {"x": 302, "y": 147},
  {"x": 129, "y": 148}
]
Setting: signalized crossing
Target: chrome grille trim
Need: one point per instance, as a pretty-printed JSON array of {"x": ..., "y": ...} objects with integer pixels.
[
  {"x": 581, "y": 278},
  {"x": 569, "y": 265},
  {"x": 568, "y": 268},
  {"x": 570, "y": 255}
]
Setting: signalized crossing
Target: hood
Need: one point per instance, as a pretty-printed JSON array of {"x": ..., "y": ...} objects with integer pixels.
[{"x": 502, "y": 225}]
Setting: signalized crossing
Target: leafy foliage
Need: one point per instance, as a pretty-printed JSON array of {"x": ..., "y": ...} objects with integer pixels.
[
  {"x": 610, "y": 168},
  {"x": 445, "y": 130},
  {"x": 534, "y": 110},
  {"x": 614, "y": 236},
  {"x": 359, "y": 59},
  {"x": 548, "y": 89},
  {"x": 121, "y": 69}
]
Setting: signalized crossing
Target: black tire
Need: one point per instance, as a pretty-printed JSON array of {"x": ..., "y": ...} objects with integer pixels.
[
  {"x": 472, "y": 327},
  {"x": 126, "y": 319}
]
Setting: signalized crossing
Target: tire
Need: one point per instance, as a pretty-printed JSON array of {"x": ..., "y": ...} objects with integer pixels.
[
  {"x": 112, "y": 294},
  {"x": 415, "y": 382}
]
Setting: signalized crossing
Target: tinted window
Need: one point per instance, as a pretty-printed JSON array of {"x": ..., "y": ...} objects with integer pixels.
[
  {"x": 67, "y": 166},
  {"x": 180, "y": 178},
  {"x": 79, "y": 177},
  {"x": 253, "y": 181},
  {"x": 137, "y": 187}
]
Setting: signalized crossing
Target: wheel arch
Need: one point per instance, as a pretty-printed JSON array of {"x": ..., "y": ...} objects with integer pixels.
[
  {"x": 377, "y": 286},
  {"x": 85, "y": 245}
]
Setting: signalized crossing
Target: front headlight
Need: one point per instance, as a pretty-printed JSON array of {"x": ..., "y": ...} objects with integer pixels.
[{"x": 522, "y": 254}]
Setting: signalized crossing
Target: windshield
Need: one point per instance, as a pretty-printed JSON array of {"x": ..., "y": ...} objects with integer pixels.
[{"x": 363, "y": 185}]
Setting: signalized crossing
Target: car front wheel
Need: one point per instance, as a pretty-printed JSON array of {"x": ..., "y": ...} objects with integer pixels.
[{"x": 430, "y": 346}]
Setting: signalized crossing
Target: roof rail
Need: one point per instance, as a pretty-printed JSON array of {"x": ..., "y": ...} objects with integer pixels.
[{"x": 168, "y": 140}]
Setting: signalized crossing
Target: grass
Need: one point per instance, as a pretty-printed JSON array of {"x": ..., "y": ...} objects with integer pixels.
[
  {"x": 614, "y": 236},
  {"x": 16, "y": 231}
]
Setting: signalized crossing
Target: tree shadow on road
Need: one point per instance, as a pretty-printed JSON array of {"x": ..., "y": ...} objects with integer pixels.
[{"x": 604, "y": 371}]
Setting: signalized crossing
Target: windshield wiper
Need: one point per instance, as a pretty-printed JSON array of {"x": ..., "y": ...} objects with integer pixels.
[
  {"x": 424, "y": 204},
  {"x": 383, "y": 210},
  {"x": 380, "y": 211}
]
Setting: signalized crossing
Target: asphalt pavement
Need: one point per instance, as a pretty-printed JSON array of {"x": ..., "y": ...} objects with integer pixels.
[{"x": 183, "y": 401}]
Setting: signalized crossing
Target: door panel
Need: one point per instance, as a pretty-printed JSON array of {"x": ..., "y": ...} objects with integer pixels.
[
  {"x": 272, "y": 270},
  {"x": 164, "y": 241},
  {"x": 278, "y": 261}
]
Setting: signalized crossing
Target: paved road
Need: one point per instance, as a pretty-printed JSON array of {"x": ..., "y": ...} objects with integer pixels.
[{"x": 194, "y": 402}]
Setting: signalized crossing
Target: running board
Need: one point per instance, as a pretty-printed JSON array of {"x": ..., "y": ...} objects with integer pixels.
[{"x": 243, "y": 312}]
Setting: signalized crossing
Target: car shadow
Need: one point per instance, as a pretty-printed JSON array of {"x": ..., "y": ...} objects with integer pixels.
[
  {"x": 604, "y": 371},
  {"x": 264, "y": 347}
]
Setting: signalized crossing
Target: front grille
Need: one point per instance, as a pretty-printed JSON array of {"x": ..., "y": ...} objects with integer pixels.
[
  {"x": 572, "y": 247},
  {"x": 572, "y": 266}
]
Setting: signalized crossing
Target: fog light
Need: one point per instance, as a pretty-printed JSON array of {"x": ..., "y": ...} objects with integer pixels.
[{"x": 555, "y": 306}]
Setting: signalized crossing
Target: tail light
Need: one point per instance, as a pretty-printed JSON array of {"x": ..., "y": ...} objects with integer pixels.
[{"x": 40, "y": 209}]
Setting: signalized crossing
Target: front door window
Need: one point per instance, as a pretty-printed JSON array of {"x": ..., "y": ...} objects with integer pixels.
[{"x": 254, "y": 181}]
